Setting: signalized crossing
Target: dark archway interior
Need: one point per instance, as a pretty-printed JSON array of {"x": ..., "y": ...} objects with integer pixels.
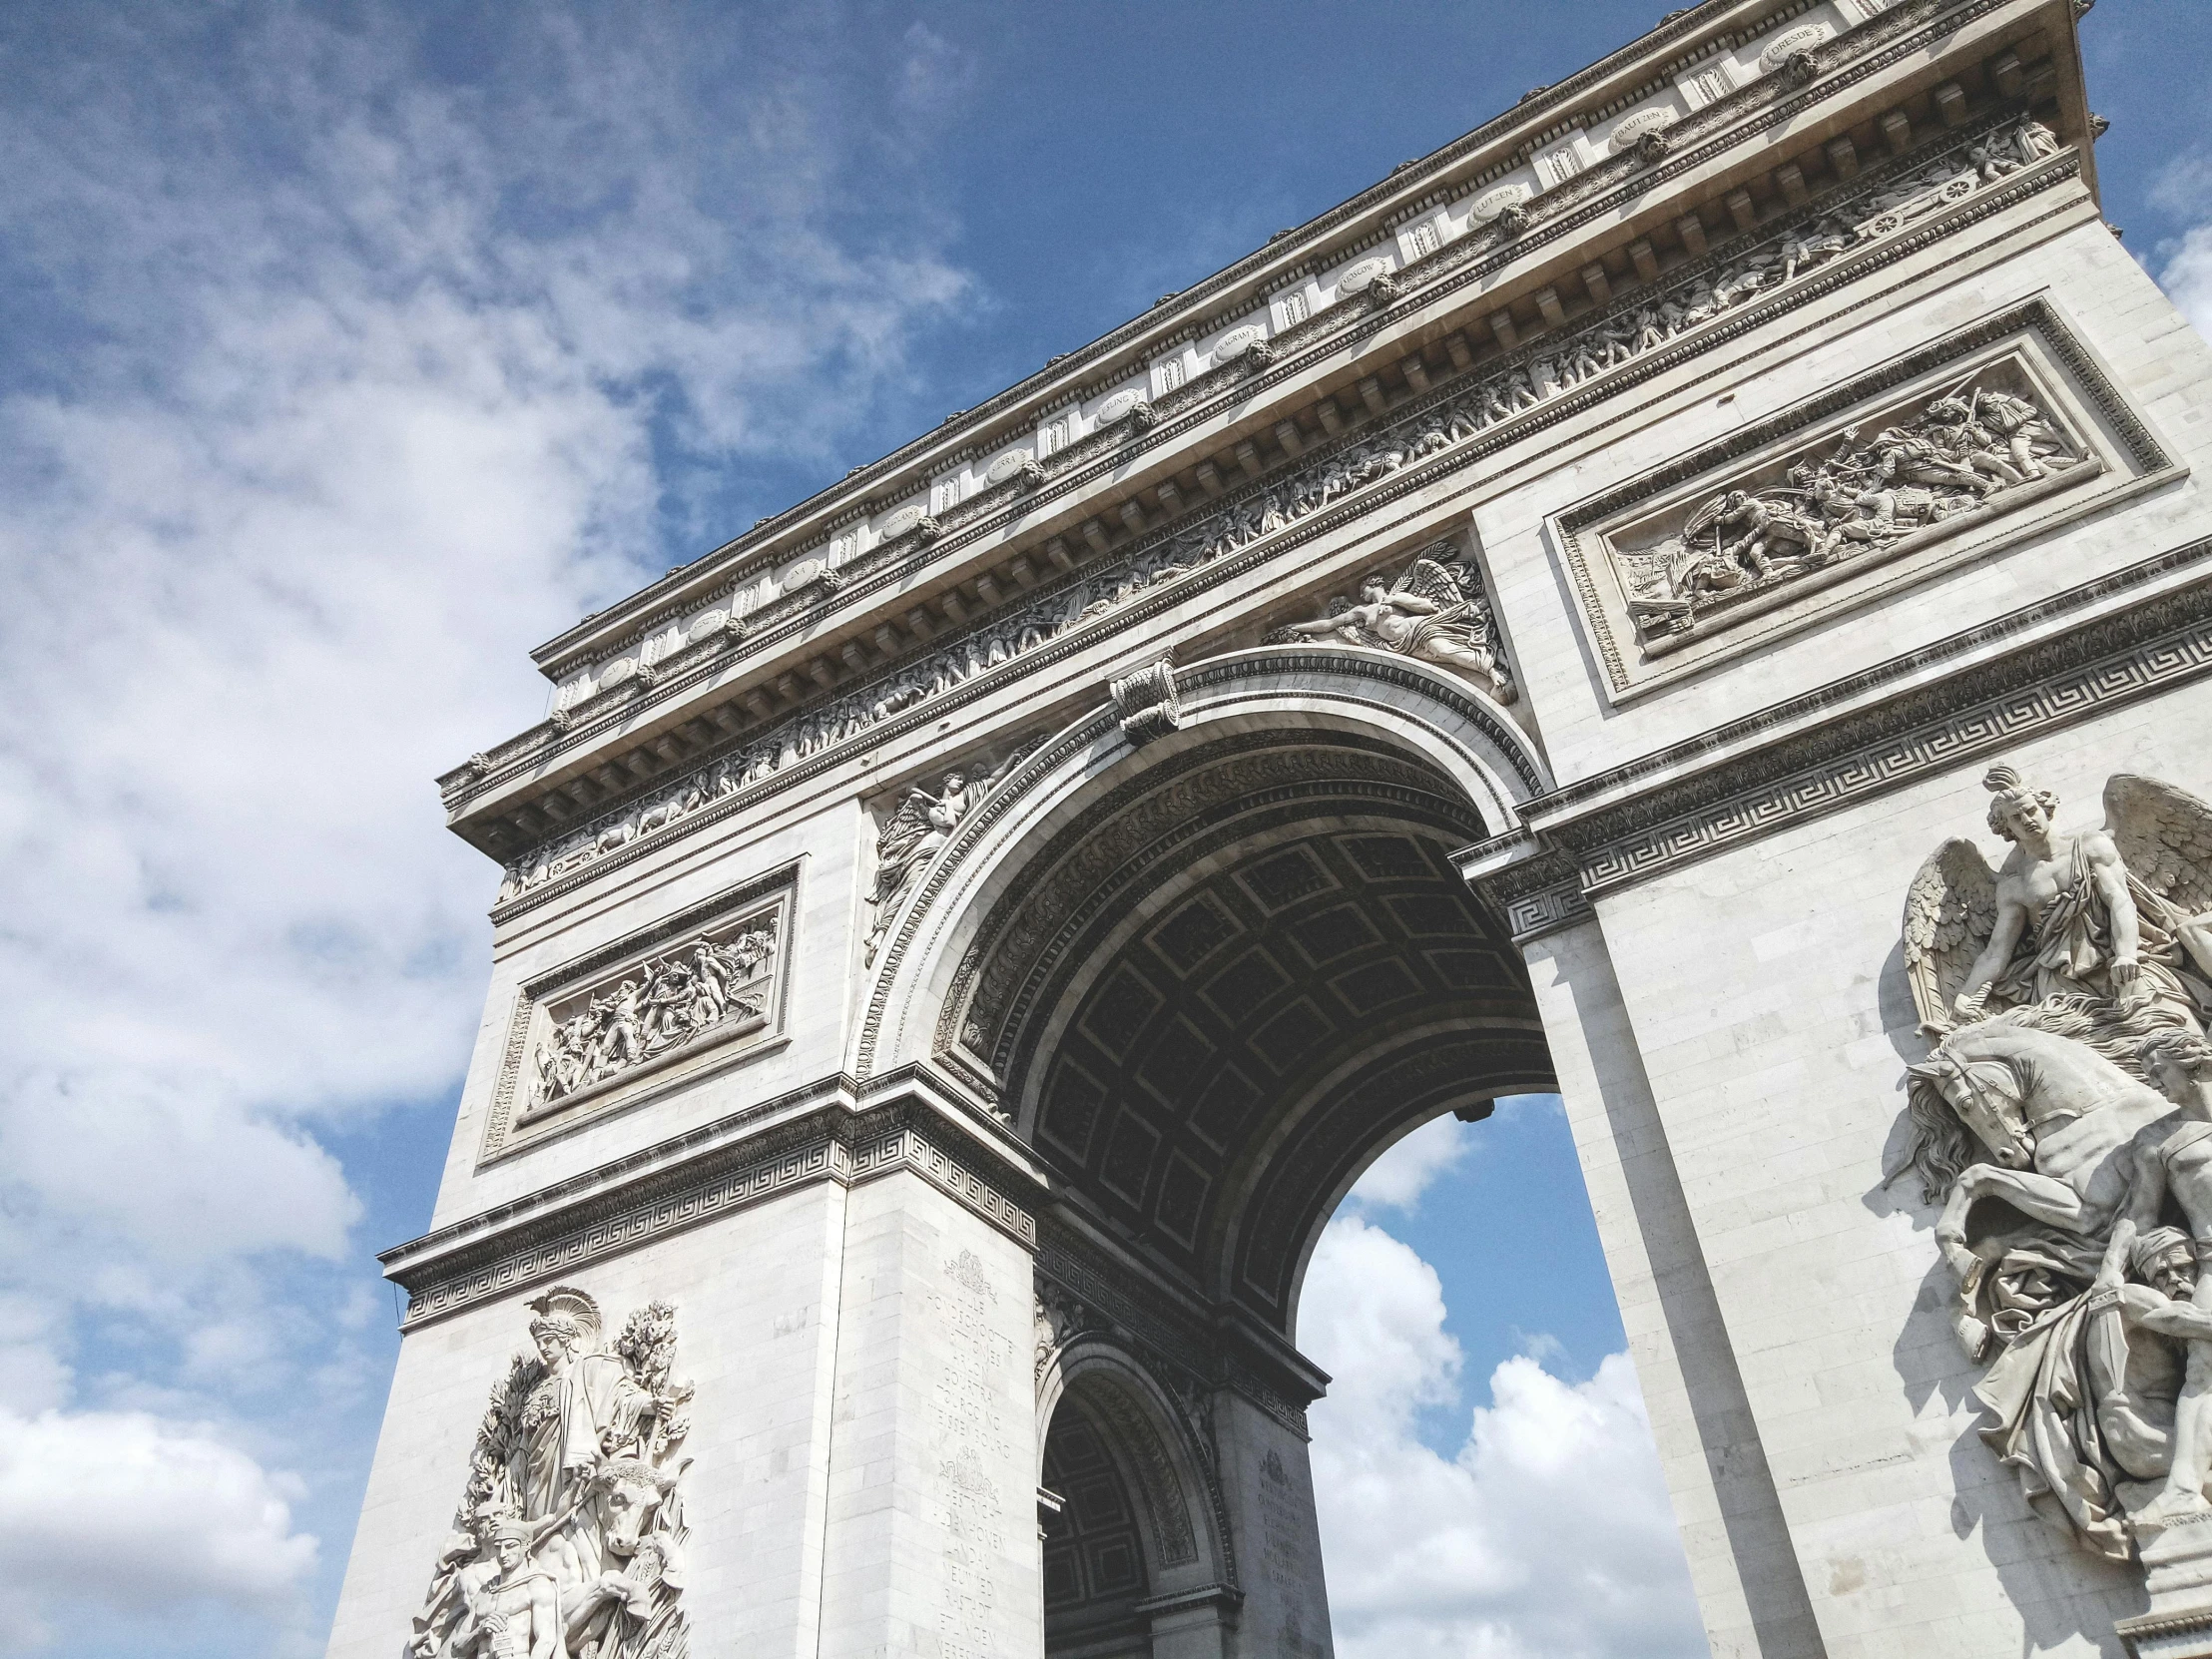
[
  {"x": 1237, "y": 977},
  {"x": 1094, "y": 1572}
]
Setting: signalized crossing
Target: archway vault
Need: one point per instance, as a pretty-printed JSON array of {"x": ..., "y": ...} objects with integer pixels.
[{"x": 1209, "y": 979}]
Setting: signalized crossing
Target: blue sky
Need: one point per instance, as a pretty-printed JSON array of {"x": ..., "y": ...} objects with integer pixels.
[{"x": 349, "y": 351}]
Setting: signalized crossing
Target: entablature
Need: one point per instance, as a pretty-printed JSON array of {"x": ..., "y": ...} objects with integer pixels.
[
  {"x": 1409, "y": 336},
  {"x": 1712, "y": 34}
]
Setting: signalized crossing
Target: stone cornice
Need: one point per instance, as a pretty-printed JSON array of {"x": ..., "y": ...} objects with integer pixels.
[
  {"x": 1408, "y": 480},
  {"x": 1226, "y": 1349},
  {"x": 1692, "y": 38},
  {"x": 1706, "y": 24},
  {"x": 1930, "y": 711},
  {"x": 688, "y": 668},
  {"x": 834, "y": 1129}
]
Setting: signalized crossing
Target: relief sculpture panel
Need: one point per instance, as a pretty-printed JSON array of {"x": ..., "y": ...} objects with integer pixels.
[
  {"x": 569, "y": 1537},
  {"x": 660, "y": 1005},
  {"x": 2063, "y": 1121},
  {"x": 1863, "y": 496},
  {"x": 1435, "y": 611},
  {"x": 1895, "y": 475}
]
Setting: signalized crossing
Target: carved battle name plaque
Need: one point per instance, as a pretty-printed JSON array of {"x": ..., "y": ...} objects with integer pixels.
[{"x": 971, "y": 1427}]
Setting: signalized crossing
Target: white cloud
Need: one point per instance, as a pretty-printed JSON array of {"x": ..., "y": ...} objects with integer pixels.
[
  {"x": 1409, "y": 1166},
  {"x": 349, "y": 381},
  {"x": 2184, "y": 189},
  {"x": 119, "y": 1511},
  {"x": 1398, "y": 1179},
  {"x": 1547, "y": 1536}
]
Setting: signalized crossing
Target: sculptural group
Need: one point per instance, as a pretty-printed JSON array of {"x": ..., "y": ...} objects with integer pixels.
[
  {"x": 568, "y": 1542},
  {"x": 1436, "y": 612},
  {"x": 2070, "y": 1082},
  {"x": 666, "y": 1002},
  {"x": 1964, "y": 447}
]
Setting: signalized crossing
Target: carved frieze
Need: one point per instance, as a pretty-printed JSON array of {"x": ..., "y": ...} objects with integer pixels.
[
  {"x": 1888, "y": 478},
  {"x": 657, "y": 1006},
  {"x": 1471, "y": 416},
  {"x": 570, "y": 1534}
]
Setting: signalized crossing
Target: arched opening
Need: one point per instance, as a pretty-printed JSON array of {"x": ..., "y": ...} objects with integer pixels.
[
  {"x": 1226, "y": 985},
  {"x": 1135, "y": 1563},
  {"x": 1206, "y": 981},
  {"x": 1094, "y": 1573}
]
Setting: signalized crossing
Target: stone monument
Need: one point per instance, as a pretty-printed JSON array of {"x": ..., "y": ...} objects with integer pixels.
[{"x": 1643, "y": 601}]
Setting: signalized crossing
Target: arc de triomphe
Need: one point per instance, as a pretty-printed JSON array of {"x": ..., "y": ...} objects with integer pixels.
[{"x": 1590, "y": 612}]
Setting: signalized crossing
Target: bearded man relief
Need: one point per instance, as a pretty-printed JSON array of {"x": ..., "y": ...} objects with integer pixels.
[
  {"x": 2071, "y": 1080},
  {"x": 568, "y": 1542}
]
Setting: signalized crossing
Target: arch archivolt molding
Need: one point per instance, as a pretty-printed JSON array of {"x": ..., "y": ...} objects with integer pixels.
[
  {"x": 1433, "y": 749},
  {"x": 1160, "y": 1440}
]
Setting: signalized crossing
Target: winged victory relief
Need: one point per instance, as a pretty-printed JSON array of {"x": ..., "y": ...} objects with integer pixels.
[
  {"x": 1436, "y": 612},
  {"x": 2065, "y": 993}
]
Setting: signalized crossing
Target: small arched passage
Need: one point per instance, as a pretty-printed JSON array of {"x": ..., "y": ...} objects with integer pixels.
[
  {"x": 1135, "y": 1559},
  {"x": 1211, "y": 978}
]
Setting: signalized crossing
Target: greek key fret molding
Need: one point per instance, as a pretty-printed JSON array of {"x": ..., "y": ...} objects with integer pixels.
[
  {"x": 1737, "y": 117},
  {"x": 1623, "y": 835},
  {"x": 839, "y": 1140},
  {"x": 757, "y": 769},
  {"x": 1551, "y": 908}
]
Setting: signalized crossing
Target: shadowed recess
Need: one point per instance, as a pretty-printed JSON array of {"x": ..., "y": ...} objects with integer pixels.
[{"x": 1234, "y": 979}]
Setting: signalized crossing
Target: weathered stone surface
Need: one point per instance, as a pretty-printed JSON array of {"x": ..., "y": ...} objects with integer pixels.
[{"x": 1530, "y": 627}]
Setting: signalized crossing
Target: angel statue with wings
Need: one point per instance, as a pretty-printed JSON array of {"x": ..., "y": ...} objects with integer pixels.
[
  {"x": 2110, "y": 918},
  {"x": 2060, "y": 1121},
  {"x": 1434, "y": 613}
]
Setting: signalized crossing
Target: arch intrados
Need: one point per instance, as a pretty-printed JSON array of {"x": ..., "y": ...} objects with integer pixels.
[
  {"x": 1427, "y": 716},
  {"x": 1486, "y": 1099},
  {"x": 1097, "y": 956},
  {"x": 1321, "y": 1094}
]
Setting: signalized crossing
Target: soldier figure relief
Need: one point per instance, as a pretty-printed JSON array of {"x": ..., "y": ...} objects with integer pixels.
[
  {"x": 1964, "y": 449},
  {"x": 2066, "y": 992}
]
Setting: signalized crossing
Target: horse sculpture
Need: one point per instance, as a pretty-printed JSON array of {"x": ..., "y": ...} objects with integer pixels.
[{"x": 2049, "y": 1110}]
